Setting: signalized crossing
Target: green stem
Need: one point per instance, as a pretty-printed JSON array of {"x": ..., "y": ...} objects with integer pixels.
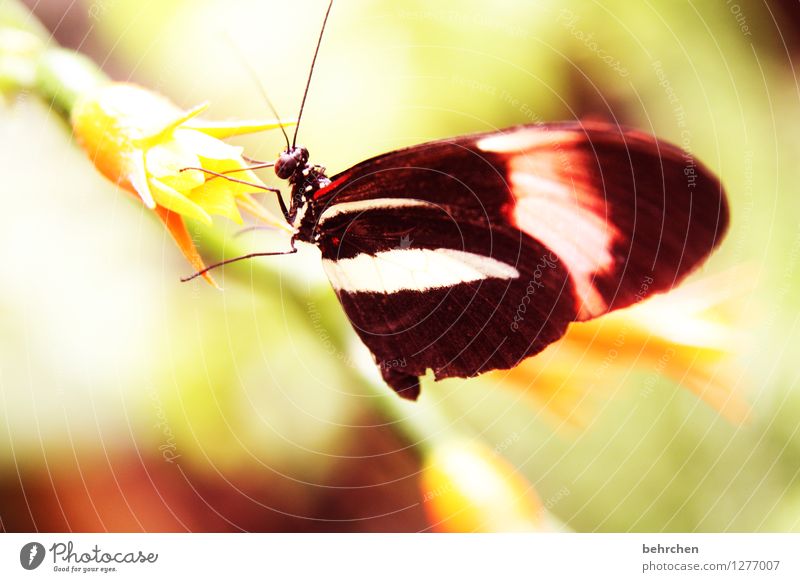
[
  {"x": 63, "y": 76},
  {"x": 29, "y": 61},
  {"x": 421, "y": 425}
]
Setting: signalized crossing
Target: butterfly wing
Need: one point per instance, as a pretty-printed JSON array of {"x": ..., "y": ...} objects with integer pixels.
[{"x": 470, "y": 254}]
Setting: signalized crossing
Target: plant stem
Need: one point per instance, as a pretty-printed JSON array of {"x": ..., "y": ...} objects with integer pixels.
[
  {"x": 62, "y": 76},
  {"x": 420, "y": 424},
  {"x": 30, "y": 61}
]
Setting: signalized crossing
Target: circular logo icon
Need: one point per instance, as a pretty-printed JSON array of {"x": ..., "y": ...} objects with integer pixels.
[{"x": 31, "y": 555}]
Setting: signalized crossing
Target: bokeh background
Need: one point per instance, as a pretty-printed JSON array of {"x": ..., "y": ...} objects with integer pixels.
[{"x": 131, "y": 402}]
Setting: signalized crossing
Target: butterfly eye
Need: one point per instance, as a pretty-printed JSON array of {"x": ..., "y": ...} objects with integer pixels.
[{"x": 285, "y": 166}]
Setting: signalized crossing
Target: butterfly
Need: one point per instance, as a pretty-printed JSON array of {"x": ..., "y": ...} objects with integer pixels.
[{"x": 470, "y": 254}]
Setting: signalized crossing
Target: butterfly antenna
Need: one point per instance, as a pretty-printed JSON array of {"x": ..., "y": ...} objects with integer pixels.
[
  {"x": 311, "y": 72},
  {"x": 254, "y": 77}
]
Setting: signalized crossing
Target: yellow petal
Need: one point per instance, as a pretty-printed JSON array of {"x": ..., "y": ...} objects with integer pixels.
[
  {"x": 169, "y": 158},
  {"x": 683, "y": 336},
  {"x": 223, "y": 129},
  {"x": 184, "y": 182},
  {"x": 253, "y": 208},
  {"x": 235, "y": 167},
  {"x": 241, "y": 181},
  {"x": 166, "y": 129},
  {"x": 205, "y": 146},
  {"x": 138, "y": 179},
  {"x": 568, "y": 392},
  {"x": 105, "y": 141},
  {"x": 215, "y": 198},
  {"x": 133, "y": 112},
  {"x": 468, "y": 488},
  {"x": 173, "y": 200}
]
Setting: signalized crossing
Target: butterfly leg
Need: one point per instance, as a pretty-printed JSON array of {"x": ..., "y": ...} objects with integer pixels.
[
  {"x": 282, "y": 204},
  {"x": 224, "y": 175},
  {"x": 292, "y": 250}
]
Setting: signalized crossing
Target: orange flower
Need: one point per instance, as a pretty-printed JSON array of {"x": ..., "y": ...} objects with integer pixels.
[
  {"x": 685, "y": 335},
  {"x": 468, "y": 488},
  {"x": 145, "y": 143}
]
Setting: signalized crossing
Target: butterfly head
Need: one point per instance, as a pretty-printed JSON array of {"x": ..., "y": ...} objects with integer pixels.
[{"x": 290, "y": 162}]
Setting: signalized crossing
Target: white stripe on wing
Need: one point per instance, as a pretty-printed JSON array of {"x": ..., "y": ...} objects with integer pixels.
[
  {"x": 374, "y": 204},
  {"x": 413, "y": 270}
]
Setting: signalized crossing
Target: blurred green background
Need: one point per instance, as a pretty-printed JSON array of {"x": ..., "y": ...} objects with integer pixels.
[{"x": 109, "y": 367}]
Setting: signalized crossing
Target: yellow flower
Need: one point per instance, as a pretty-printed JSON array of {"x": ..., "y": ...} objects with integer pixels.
[
  {"x": 686, "y": 335},
  {"x": 468, "y": 488},
  {"x": 145, "y": 143}
]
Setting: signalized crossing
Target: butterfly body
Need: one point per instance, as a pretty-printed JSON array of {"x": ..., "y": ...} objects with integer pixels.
[{"x": 470, "y": 254}]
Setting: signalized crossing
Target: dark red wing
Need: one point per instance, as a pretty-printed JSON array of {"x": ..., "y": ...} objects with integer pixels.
[{"x": 625, "y": 215}]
